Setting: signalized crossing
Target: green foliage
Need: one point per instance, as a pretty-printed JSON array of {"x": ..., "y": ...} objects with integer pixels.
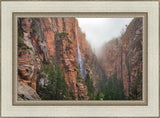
[
  {"x": 34, "y": 20},
  {"x": 89, "y": 84},
  {"x": 27, "y": 70},
  {"x": 79, "y": 77},
  {"x": 69, "y": 41},
  {"x": 72, "y": 97},
  {"x": 136, "y": 92},
  {"x": 20, "y": 42},
  {"x": 101, "y": 84},
  {"x": 67, "y": 48},
  {"x": 86, "y": 56},
  {"x": 20, "y": 32},
  {"x": 34, "y": 30},
  {"x": 49, "y": 91},
  {"x": 22, "y": 45},
  {"x": 42, "y": 75},
  {"x": 61, "y": 85},
  {"x": 97, "y": 96},
  {"x": 33, "y": 25},
  {"x": 91, "y": 96},
  {"x": 62, "y": 34},
  {"x": 114, "y": 89},
  {"x": 101, "y": 95},
  {"x": 79, "y": 98},
  {"x": 111, "y": 89},
  {"x": 56, "y": 87}
]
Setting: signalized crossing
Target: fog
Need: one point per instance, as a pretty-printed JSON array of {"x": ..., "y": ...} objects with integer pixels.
[{"x": 100, "y": 30}]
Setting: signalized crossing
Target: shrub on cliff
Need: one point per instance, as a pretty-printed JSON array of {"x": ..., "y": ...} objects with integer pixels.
[
  {"x": 20, "y": 32},
  {"x": 62, "y": 34},
  {"x": 34, "y": 26},
  {"x": 22, "y": 45}
]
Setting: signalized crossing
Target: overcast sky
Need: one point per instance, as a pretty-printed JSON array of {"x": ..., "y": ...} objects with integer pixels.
[{"x": 100, "y": 30}]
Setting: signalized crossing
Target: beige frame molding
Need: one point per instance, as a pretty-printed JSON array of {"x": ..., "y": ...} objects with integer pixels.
[
  {"x": 93, "y": 104},
  {"x": 142, "y": 102}
]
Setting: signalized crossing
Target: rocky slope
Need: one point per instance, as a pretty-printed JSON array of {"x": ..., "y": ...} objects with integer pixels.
[
  {"x": 42, "y": 39},
  {"x": 123, "y": 55}
]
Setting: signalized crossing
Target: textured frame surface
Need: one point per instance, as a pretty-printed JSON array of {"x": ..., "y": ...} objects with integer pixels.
[{"x": 79, "y": 110}]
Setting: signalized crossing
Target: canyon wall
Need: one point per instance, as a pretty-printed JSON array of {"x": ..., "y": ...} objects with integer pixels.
[
  {"x": 90, "y": 60},
  {"x": 48, "y": 38},
  {"x": 41, "y": 40},
  {"x": 123, "y": 55}
]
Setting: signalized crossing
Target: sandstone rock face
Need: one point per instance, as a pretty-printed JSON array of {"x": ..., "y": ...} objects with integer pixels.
[
  {"x": 82, "y": 91},
  {"x": 124, "y": 55},
  {"x": 63, "y": 47},
  {"x": 90, "y": 60},
  {"x": 56, "y": 38},
  {"x": 25, "y": 92},
  {"x": 28, "y": 66},
  {"x": 52, "y": 38},
  {"x": 29, "y": 59}
]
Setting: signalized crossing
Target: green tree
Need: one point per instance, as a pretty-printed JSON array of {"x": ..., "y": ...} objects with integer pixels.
[
  {"x": 136, "y": 91},
  {"x": 91, "y": 96},
  {"x": 51, "y": 85},
  {"x": 89, "y": 84},
  {"x": 121, "y": 90},
  {"x": 100, "y": 96},
  {"x": 61, "y": 91},
  {"x": 114, "y": 89},
  {"x": 56, "y": 87}
]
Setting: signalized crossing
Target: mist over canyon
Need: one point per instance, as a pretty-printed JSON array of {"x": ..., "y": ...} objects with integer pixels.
[
  {"x": 80, "y": 59},
  {"x": 101, "y": 30}
]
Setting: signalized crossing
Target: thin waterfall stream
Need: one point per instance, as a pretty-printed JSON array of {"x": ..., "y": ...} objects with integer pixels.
[{"x": 80, "y": 62}]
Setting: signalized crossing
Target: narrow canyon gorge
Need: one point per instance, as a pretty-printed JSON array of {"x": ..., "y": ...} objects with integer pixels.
[{"x": 56, "y": 62}]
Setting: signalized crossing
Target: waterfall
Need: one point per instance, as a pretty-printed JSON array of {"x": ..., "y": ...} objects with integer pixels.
[{"x": 80, "y": 63}]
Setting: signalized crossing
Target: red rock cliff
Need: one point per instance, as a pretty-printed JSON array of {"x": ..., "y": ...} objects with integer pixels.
[
  {"x": 124, "y": 55},
  {"x": 43, "y": 38},
  {"x": 53, "y": 38}
]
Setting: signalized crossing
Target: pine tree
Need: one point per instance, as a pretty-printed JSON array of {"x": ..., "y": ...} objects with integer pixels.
[
  {"x": 51, "y": 85},
  {"x": 114, "y": 89},
  {"x": 89, "y": 84},
  {"x": 61, "y": 91},
  {"x": 136, "y": 92},
  {"x": 56, "y": 87}
]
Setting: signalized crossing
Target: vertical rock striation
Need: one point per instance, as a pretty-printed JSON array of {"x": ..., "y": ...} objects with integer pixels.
[
  {"x": 42, "y": 39},
  {"x": 123, "y": 55},
  {"x": 47, "y": 38}
]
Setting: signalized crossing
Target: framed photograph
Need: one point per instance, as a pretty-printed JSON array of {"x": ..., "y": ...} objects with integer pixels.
[{"x": 80, "y": 59}]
